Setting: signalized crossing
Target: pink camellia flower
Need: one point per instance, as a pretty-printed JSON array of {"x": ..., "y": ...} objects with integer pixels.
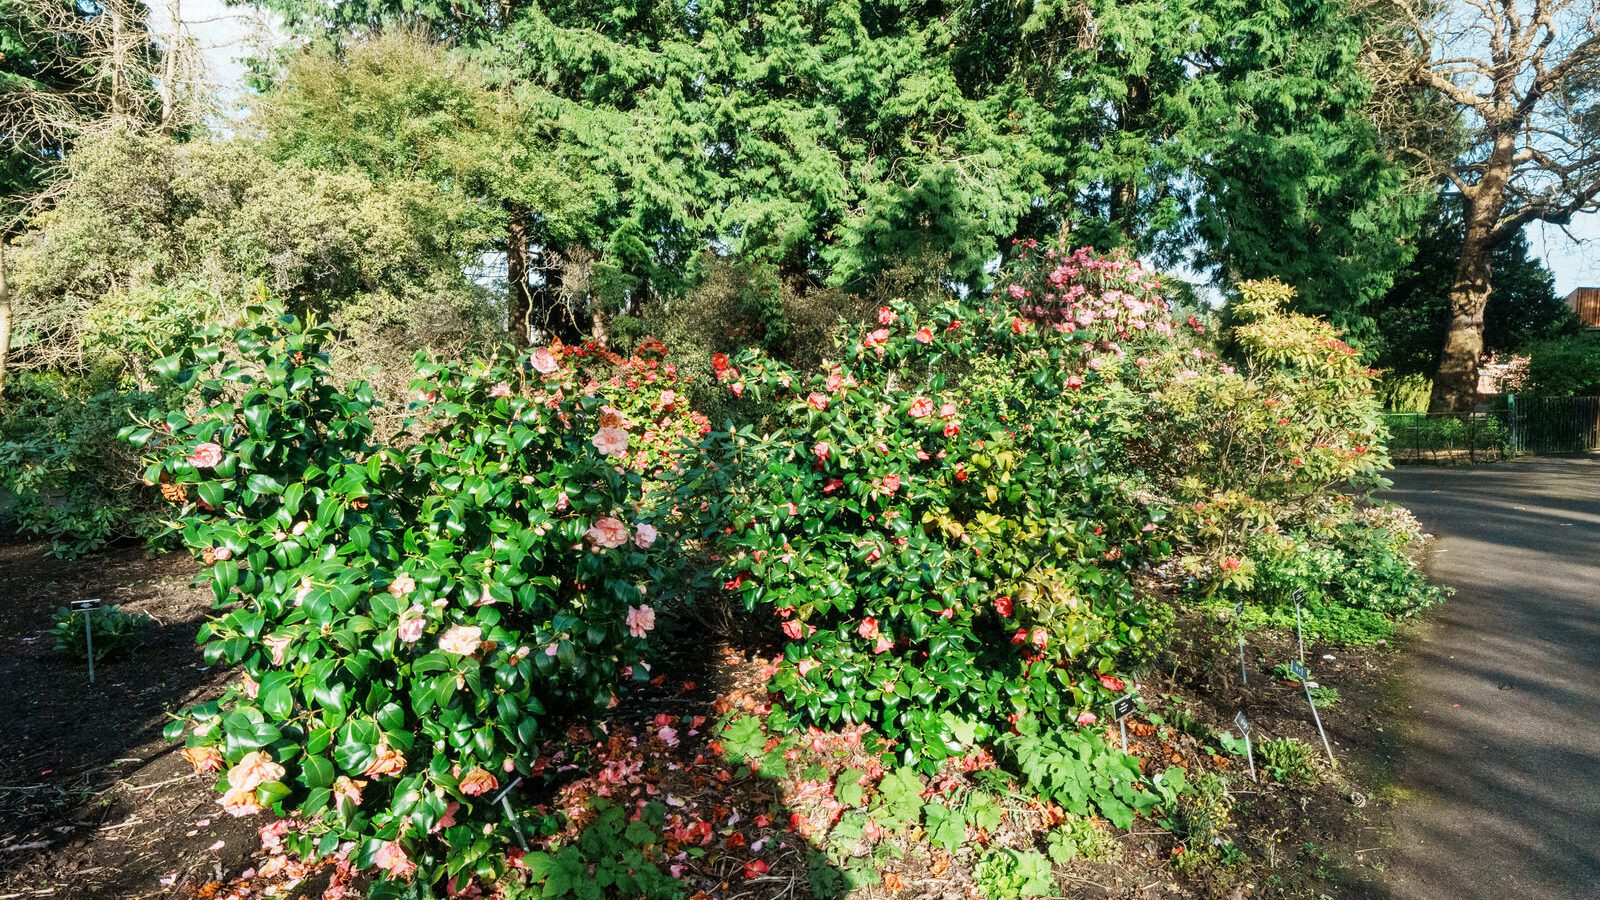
[
  {"x": 385, "y": 761},
  {"x": 272, "y": 835},
  {"x": 1018, "y": 326},
  {"x": 1087, "y": 718},
  {"x": 644, "y": 534},
  {"x": 668, "y": 399},
  {"x": 885, "y": 315},
  {"x": 879, "y": 336},
  {"x": 1230, "y": 564},
  {"x": 820, "y": 450},
  {"x": 883, "y": 645},
  {"x": 238, "y": 803},
  {"x": 500, "y": 390},
  {"x": 833, "y": 485},
  {"x": 1074, "y": 382},
  {"x": 543, "y": 361},
  {"x": 951, "y": 429},
  {"x": 793, "y": 629},
  {"x": 252, "y": 688},
  {"x": 835, "y": 383},
  {"x": 924, "y": 335},
  {"x": 253, "y": 770},
  {"x": 206, "y": 760},
  {"x": 205, "y": 456},
  {"x": 948, "y": 411},
  {"x": 817, "y": 401},
  {"x": 806, "y": 666},
  {"x": 478, "y": 781},
  {"x": 391, "y": 857},
  {"x": 891, "y": 483},
  {"x": 1112, "y": 682},
  {"x": 1040, "y": 638},
  {"x": 347, "y": 790},
  {"x": 276, "y": 647},
  {"x": 610, "y": 441},
  {"x": 461, "y": 640},
  {"x": 868, "y": 628},
  {"x": 921, "y": 408},
  {"x": 607, "y": 532},
  {"x": 222, "y": 553},
  {"x": 1004, "y": 606},
  {"x": 402, "y": 585},
  {"x": 641, "y": 619},
  {"x": 412, "y": 623}
]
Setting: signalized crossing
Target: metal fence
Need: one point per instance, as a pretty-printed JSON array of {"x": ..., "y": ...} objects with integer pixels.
[{"x": 1527, "y": 425}]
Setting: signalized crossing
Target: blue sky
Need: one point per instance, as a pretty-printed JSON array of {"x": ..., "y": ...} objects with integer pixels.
[{"x": 225, "y": 31}]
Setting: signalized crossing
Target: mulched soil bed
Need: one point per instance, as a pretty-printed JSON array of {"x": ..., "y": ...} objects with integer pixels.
[{"x": 94, "y": 804}]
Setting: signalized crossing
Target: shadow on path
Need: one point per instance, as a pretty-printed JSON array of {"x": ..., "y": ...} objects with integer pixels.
[{"x": 1499, "y": 706}]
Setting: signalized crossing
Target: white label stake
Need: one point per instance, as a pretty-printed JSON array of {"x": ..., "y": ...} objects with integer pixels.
[{"x": 1305, "y": 681}]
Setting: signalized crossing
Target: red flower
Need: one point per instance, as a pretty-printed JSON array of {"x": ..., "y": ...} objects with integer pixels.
[
  {"x": 833, "y": 485},
  {"x": 1074, "y": 382},
  {"x": 719, "y": 362},
  {"x": 1112, "y": 682},
  {"x": 816, "y": 401},
  {"x": 921, "y": 408},
  {"x": 755, "y": 868},
  {"x": 885, "y": 315},
  {"x": 868, "y": 628},
  {"x": 961, "y": 473},
  {"x": 924, "y": 335},
  {"x": 951, "y": 429},
  {"x": 1004, "y": 606},
  {"x": 793, "y": 629},
  {"x": 1021, "y": 637},
  {"x": 891, "y": 483},
  {"x": 820, "y": 450},
  {"x": 1018, "y": 326},
  {"x": 1229, "y": 564}
]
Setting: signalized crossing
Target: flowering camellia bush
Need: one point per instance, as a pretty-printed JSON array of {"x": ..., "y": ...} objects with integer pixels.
[
  {"x": 933, "y": 517},
  {"x": 409, "y": 620}
]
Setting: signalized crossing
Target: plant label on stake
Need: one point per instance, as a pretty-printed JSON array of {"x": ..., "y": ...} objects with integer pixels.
[
  {"x": 1243, "y": 725},
  {"x": 1121, "y": 709},
  {"x": 1305, "y": 681},
  {"x": 511, "y": 817},
  {"x": 1299, "y": 627},
  {"x": 87, "y": 607},
  {"x": 1238, "y": 618}
]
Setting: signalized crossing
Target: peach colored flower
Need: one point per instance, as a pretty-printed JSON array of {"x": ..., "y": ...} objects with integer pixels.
[
  {"x": 640, "y": 620},
  {"x": 386, "y": 761},
  {"x": 391, "y": 857},
  {"x": 347, "y": 790},
  {"x": 206, "y": 760},
  {"x": 253, "y": 770},
  {"x": 543, "y": 361},
  {"x": 462, "y": 640},
  {"x": 240, "y": 803},
  {"x": 607, "y": 532},
  {"x": 644, "y": 534},
  {"x": 611, "y": 417},
  {"x": 478, "y": 781},
  {"x": 276, "y": 646},
  {"x": 402, "y": 585},
  {"x": 205, "y": 456},
  {"x": 412, "y": 623},
  {"x": 610, "y": 441}
]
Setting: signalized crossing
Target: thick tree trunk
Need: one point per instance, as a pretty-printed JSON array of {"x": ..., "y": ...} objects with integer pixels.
[
  {"x": 5, "y": 318},
  {"x": 519, "y": 301},
  {"x": 1455, "y": 384},
  {"x": 1134, "y": 112}
]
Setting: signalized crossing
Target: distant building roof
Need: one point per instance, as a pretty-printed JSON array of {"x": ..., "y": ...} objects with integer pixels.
[{"x": 1585, "y": 302}]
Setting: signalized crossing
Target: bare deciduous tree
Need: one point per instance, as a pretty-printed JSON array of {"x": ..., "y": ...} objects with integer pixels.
[{"x": 1523, "y": 79}]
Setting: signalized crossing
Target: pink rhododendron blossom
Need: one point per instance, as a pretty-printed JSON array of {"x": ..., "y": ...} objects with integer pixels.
[
  {"x": 607, "y": 532},
  {"x": 461, "y": 640},
  {"x": 205, "y": 456}
]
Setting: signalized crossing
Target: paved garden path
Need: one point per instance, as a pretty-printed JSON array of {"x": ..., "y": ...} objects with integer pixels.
[{"x": 1498, "y": 767}]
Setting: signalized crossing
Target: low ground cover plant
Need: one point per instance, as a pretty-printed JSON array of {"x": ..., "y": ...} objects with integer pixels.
[{"x": 949, "y": 526}]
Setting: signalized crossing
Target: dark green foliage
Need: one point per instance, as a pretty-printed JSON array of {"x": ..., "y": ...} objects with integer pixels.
[
  {"x": 114, "y": 631},
  {"x": 1567, "y": 366},
  {"x": 1409, "y": 321}
]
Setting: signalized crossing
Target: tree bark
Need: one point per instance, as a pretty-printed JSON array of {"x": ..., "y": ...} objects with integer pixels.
[
  {"x": 1455, "y": 384},
  {"x": 519, "y": 301}
]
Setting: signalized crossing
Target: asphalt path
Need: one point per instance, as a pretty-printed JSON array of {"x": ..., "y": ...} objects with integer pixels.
[{"x": 1497, "y": 771}]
